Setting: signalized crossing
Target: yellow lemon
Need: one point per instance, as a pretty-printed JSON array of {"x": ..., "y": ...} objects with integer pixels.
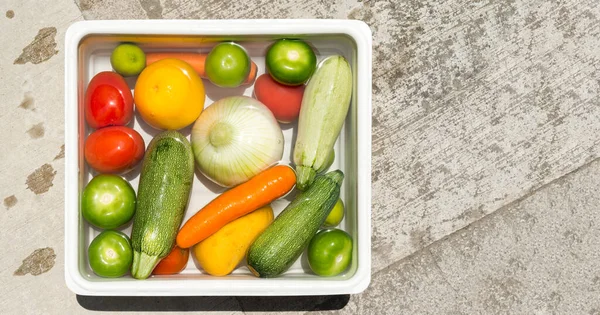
[{"x": 169, "y": 94}]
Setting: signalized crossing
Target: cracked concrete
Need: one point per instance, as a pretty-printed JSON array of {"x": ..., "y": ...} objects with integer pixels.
[{"x": 485, "y": 135}]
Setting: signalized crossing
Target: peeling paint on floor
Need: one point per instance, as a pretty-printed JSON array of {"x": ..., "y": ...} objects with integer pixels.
[
  {"x": 10, "y": 201},
  {"x": 40, "y": 261},
  {"x": 42, "y": 48},
  {"x": 41, "y": 179},
  {"x": 36, "y": 131},
  {"x": 153, "y": 8},
  {"x": 28, "y": 102},
  {"x": 60, "y": 154},
  {"x": 85, "y": 4}
]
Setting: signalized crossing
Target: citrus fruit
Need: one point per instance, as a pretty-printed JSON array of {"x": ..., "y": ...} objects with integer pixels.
[
  {"x": 169, "y": 94},
  {"x": 336, "y": 215},
  {"x": 128, "y": 59}
]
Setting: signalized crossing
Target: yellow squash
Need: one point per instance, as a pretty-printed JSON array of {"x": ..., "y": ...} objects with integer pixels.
[{"x": 221, "y": 252}]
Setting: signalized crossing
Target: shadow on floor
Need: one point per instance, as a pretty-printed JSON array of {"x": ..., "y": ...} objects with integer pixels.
[{"x": 228, "y": 303}]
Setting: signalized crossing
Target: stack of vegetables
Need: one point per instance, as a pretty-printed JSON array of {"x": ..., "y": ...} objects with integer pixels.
[{"x": 236, "y": 142}]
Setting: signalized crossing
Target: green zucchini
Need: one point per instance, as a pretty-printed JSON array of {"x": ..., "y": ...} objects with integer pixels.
[
  {"x": 282, "y": 242},
  {"x": 163, "y": 195},
  {"x": 324, "y": 108}
]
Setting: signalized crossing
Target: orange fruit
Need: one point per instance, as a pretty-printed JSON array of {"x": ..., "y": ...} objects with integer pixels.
[{"x": 169, "y": 94}]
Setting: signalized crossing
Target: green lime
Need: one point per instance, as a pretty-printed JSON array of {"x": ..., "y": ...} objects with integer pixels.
[
  {"x": 336, "y": 215},
  {"x": 291, "y": 62},
  {"x": 227, "y": 65},
  {"x": 128, "y": 59}
]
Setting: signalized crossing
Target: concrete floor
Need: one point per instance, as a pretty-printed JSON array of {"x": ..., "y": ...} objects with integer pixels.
[{"x": 486, "y": 131}]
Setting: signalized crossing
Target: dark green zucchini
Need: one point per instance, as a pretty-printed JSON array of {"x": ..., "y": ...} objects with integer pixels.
[
  {"x": 280, "y": 245},
  {"x": 163, "y": 194}
]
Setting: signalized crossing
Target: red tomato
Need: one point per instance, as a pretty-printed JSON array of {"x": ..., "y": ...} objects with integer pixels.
[
  {"x": 108, "y": 101},
  {"x": 115, "y": 149},
  {"x": 174, "y": 263},
  {"x": 284, "y": 101}
]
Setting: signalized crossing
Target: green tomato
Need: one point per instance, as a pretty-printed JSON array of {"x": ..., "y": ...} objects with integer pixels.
[
  {"x": 128, "y": 59},
  {"x": 330, "y": 252},
  {"x": 110, "y": 254},
  {"x": 108, "y": 201},
  {"x": 336, "y": 215},
  {"x": 227, "y": 65},
  {"x": 291, "y": 62}
]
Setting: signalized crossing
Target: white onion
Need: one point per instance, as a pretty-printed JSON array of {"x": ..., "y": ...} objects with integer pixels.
[{"x": 234, "y": 139}]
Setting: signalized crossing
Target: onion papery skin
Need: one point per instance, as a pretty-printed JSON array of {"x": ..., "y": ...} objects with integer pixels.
[{"x": 234, "y": 139}]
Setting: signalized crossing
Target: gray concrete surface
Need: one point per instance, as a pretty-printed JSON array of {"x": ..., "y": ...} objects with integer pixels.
[
  {"x": 539, "y": 255},
  {"x": 486, "y": 124}
]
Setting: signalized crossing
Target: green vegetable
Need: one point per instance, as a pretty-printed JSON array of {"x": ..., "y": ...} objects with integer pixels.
[
  {"x": 324, "y": 107},
  {"x": 329, "y": 252},
  {"x": 280, "y": 245},
  {"x": 108, "y": 201},
  {"x": 327, "y": 163},
  {"x": 110, "y": 254},
  {"x": 227, "y": 65},
  {"x": 236, "y": 138},
  {"x": 163, "y": 193},
  {"x": 290, "y": 62}
]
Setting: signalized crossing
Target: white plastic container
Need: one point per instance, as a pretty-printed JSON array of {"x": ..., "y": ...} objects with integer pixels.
[{"x": 88, "y": 47}]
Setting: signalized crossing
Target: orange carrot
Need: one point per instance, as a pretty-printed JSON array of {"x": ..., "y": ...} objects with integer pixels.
[
  {"x": 195, "y": 60},
  {"x": 240, "y": 200},
  {"x": 252, "y": 73}
]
